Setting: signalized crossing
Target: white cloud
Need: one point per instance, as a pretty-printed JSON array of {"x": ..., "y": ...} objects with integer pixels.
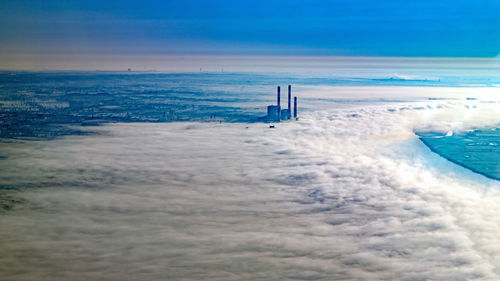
[{"x": 344, "y": 194}]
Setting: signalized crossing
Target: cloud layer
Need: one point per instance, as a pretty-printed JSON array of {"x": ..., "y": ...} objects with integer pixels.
[{"x": 344, "y": 194}]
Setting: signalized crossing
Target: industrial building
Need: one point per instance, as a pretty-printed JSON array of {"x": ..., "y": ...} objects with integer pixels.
[{"x": 276, "y": 114}]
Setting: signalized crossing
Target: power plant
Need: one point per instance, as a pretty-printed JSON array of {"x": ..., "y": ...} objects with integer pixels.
[{"x": 276, "y": 114}]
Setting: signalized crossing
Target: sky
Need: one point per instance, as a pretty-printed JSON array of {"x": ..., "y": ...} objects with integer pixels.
[{"x": 30, "y": 30}]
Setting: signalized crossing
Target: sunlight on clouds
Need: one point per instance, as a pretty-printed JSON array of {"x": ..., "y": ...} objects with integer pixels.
[{"x": 346, "y": 193}]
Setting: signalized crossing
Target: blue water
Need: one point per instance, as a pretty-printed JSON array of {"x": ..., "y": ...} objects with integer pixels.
[{"x": 477, "y": 150}]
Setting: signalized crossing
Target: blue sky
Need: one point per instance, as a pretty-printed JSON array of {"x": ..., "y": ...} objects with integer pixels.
[{"x": 313, "y": 28}]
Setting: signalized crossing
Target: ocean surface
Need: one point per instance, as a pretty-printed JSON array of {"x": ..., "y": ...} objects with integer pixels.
[
  {"x": 476, "y": 150},
  {"x": 387, "y": 174}
]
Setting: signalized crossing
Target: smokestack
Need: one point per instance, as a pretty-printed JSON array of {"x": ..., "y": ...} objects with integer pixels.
[
  {"x": 289, "y": 107},
  {"x": 278, "y": 96},
  {"x": 294, "y": 107},
  {"x": 289, "y": 97}
]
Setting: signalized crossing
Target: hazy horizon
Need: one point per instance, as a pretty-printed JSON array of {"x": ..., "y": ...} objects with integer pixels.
[{"x": 232, "y": 63}]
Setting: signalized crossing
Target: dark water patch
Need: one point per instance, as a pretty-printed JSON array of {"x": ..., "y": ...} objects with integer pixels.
[{"x": 478, "y": 150}]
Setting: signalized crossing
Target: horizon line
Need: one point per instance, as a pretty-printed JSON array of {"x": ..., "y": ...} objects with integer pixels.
[{"x": 214, "y": 63}]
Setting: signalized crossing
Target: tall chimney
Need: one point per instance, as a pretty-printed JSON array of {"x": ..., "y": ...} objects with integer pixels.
[
  {"x": 294, "y": 107},
  {"x": 278, "y": 96},
  {"x": 289, "y": 97}
]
